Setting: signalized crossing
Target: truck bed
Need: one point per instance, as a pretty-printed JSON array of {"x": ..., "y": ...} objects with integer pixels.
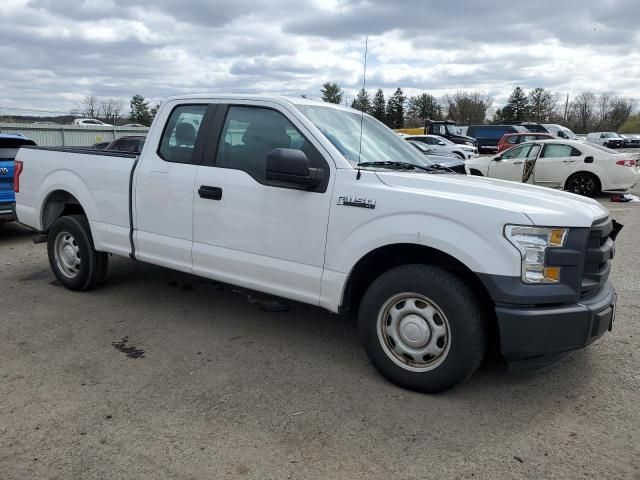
[{"x": 99, "y": 180}]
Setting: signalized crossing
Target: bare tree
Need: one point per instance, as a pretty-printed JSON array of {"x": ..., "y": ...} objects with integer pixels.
[
  {"x": 604, "y": 109},
  {"x": 467, "y": 108},
  {"x": 112, "y": 110},
  {"x": 88, "y": 107},
  {"x": 621, "y": 109},
  {"x": 583, "y": 107}
]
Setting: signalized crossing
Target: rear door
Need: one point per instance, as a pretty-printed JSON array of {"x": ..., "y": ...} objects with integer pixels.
[
  {"x": 554, "y": 165},
  {"x": 164, "y": 187},
  {"x": 251, "y": 231},
  {"x": 510, "y": 164}
]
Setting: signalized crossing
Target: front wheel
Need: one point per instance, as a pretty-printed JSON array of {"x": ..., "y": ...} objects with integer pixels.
[
  {"x": 422, "y": 327},
  {"x": 74, "y": 260},
  {"x": 583, "y": 183}
]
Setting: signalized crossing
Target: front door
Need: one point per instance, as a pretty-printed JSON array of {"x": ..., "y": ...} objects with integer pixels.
[
  {"x": 510, "y": 164},
  {"x": 251, "y": 231},
  {"x": 555, "y": 164}
]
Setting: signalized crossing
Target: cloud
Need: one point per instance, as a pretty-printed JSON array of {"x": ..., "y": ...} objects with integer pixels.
[{"x": 55, "y": 51}]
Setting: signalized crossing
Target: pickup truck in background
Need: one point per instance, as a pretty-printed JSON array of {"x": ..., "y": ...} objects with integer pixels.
[
  {"x": 320, "y": 204},
  {"x": 9, "y": 146}
]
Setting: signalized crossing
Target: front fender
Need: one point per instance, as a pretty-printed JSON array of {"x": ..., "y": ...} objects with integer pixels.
[{"x": 461, "y": 241}]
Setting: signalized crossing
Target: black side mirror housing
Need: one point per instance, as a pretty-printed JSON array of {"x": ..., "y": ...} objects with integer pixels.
[{"x": 290, "y": 166}]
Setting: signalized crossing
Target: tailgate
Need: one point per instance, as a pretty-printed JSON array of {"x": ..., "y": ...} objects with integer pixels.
[{"x": 6, "y": 181}]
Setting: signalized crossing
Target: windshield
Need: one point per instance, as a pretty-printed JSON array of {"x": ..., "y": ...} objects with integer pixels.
[
  {"x": 379, "y": 142},
  {"x": 453, "y": 130},
  {"x": 567, "y": 134}
]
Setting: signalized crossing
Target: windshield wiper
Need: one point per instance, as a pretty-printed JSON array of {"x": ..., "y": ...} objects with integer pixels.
[{"x": 399, "y": 165}]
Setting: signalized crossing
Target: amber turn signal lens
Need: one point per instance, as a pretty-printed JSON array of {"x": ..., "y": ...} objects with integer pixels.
[
  {"x": 552, "y": 274},
  {"x": 557, "y": 237}
]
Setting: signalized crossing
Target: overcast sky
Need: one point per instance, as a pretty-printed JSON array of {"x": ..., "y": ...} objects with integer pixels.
[{"x": 56, "y": 51}]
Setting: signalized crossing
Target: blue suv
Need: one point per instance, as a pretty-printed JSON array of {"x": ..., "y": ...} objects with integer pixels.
[{"x": 9, "y": 146}]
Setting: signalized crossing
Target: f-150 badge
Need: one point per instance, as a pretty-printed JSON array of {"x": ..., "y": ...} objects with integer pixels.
[{"x": 357, "y": 202}]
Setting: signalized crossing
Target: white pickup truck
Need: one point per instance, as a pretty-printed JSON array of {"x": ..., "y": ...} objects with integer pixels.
[{"x": 315, "y": 203}]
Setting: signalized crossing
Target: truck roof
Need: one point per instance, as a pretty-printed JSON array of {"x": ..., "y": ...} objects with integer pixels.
[{"x": 259, "y": 97}]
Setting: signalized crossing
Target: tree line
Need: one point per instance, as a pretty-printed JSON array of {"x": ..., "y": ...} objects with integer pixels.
[
  {"x": 583, "y": 113},
  {"x": 112, "y": 110}
]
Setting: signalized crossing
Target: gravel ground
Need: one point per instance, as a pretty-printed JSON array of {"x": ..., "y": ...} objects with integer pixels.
[{"x": 164, "y": 375}]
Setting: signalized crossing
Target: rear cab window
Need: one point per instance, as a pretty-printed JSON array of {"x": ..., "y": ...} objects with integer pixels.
[{"x": 178, "y": 139}]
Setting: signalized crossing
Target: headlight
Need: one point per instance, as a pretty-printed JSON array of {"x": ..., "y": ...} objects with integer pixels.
[
  {"x": 467, "y": 148},
  {"x": 533, "y": 242},
  {"x": 468, "y": 143}
]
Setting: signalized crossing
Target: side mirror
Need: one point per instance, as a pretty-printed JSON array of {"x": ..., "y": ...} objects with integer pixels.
[
  {"x": 291, "y": 166},
  {"x": 497, "y": 158}
]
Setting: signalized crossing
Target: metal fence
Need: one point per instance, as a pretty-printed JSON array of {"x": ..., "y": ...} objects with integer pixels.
[{"x": 69, "y": 135}]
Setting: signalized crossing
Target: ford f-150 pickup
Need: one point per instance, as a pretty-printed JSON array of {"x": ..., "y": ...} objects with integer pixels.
[{"x": 325, "y": 205}]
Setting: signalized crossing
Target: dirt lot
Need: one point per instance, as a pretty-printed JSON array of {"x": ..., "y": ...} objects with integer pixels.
[{"x": 164, "y": 375}]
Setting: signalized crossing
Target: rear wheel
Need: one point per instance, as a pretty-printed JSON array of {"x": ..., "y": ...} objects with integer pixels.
[
  {"x": 583, "y": 183},
  {"x": 422, "y": 328},
  {"x": 72, "y": 256}
]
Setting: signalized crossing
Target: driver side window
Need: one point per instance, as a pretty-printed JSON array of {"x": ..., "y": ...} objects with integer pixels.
[
  {"x": 516, "y": 152},
  {"x": 250, "y": 133}
]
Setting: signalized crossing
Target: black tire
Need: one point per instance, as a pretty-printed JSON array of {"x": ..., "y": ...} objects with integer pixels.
[
  {"x": 72, "y": 256},
  {"x": 583, "y": 183},
  {"x": 464, "y": 320}
]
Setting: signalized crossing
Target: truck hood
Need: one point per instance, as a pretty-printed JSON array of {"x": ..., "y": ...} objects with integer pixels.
[{"x": 543, "y": 206}]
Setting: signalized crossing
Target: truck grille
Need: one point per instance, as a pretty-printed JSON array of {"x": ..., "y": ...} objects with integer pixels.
[{"x": 599, "y": 252}]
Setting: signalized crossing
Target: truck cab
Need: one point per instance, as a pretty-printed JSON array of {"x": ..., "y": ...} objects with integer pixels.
[
  {"x": 449, "y": 130},
  {"x": 9, "y": 146}
]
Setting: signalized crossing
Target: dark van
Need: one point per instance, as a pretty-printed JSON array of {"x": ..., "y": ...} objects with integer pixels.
[{"x": 488, "y": 136}]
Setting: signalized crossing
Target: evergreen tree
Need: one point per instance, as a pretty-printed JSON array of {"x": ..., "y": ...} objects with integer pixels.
[
  {"x": 424, "y": 107},
  {"x": 331, "y": 93},
  {"x": 378, "y": 107},
  {"x": 140, "y": 110},
  {"x": 517, "y": 108},
  {"x": 542, "y": 103},
  {"x": 395, "y": 109},
  {"x": 362, "y": 101}
]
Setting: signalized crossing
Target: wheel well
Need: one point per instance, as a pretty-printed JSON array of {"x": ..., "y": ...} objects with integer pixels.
[
  {"x": 382, "y": 259},
  {"x": 473, "y": 171},
  {"x": 460, "y": 154},
  {"x": 583, "y": 172},
  {"x": 58, "y": 204}
]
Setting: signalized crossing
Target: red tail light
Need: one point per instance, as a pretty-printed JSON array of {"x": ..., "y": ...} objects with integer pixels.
[
  {"x": 627, "y": 163},
  {"x": 17, "y": 170}
]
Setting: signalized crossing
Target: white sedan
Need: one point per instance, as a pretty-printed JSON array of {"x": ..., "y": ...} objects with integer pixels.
[
  {"x": 581, "y": 168},
  {"x": 442, "y": 145}
]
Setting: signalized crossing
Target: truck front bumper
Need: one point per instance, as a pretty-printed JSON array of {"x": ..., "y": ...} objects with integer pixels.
[{"x": 535, "y": 336}]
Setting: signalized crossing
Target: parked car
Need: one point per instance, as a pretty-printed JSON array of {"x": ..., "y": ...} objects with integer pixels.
[
  {"x": 606, "y": 139},
  {"x": 631, "y": 140},
  {"x": 560, "y": 131},
  {"x": 446, "y": 161},
  {"x": 510, "y": 139},
  {"x": 130, "y": 143},
  {"x": 134, "y": 125},
  {"x": 442, "y": 145},
  {"x": 323, "y": 205},
  {"x": 9, "y": 146},
  {"x": 582, "y": 168},
  {"x": 90, "y": 122},
  {"x": 449, "y": 130},
  {"x": 488, "y": 136}
]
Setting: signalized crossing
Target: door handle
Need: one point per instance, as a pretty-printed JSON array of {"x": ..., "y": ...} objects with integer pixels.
[
  {"x": 210, "y": 193},
  {"x": 518, "y": 163},
  {"x": 568, "y": 161}
]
